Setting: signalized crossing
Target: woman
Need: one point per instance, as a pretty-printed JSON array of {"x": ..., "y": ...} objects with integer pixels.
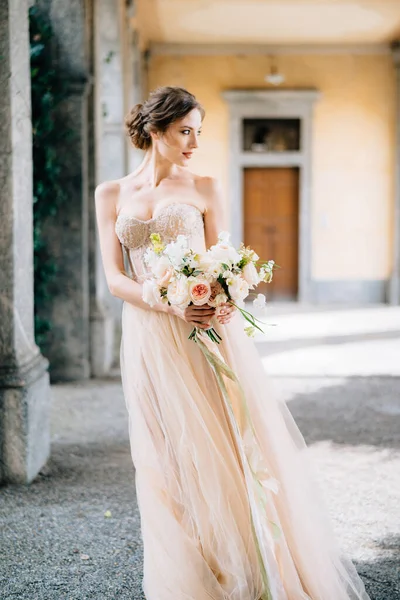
[{"x": 209, "y": 529}]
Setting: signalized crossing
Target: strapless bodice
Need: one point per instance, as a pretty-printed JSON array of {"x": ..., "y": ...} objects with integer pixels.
[{"x": 172, "y": 220}]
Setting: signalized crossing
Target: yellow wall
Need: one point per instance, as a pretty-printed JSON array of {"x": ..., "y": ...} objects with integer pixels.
[{"x": 353, "y": 146}]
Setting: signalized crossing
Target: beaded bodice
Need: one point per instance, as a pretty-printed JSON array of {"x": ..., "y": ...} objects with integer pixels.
[{"x": 172, "y": 220}]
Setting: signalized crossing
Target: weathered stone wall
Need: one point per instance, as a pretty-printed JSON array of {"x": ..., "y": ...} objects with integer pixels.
[{"x": 24, "y": 386}]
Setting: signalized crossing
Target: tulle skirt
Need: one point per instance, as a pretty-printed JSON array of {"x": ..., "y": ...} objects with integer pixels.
[{"x": 204, "y": 536}]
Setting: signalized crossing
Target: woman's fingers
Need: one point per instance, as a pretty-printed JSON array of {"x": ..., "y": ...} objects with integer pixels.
[
  {"x": 199, "y": 315},
  {"x": 202, "y": 310},
  {"x": 225, "y": 313}
]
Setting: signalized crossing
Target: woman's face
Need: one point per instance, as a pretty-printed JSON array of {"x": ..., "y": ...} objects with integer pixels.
[{"x": 178, "y": 143}]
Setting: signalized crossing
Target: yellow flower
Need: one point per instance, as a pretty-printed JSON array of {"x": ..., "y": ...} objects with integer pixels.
[{"x": 157, "y": 244}]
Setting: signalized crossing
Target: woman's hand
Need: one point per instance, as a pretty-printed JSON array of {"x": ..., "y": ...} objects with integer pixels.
[
  {"x": 225, "y": 313},
  {"x": 197, "y": 316}
]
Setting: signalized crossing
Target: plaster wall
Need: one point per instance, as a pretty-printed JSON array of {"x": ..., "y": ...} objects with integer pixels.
[{"x": 353, "y": 160}]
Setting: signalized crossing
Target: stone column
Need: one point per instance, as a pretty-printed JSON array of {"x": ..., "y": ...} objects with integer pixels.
[
  {"x": 136, "y": 92},
  {"x": 109, "y": 102},
  {"x": 394, "y": 288},
  {"x": 68, "y": 345},
  {"x": 24, "y": 384},
  {"x": 102, "y": 315}
]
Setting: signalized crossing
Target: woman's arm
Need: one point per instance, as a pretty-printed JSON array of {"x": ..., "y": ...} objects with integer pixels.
[
  {"x": 119, "y": 284},
  {"x": 214, "y": 215}
]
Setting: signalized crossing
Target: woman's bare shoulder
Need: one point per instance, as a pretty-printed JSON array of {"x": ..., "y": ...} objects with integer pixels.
[
  {"x": 106, "y": 197},
  {"x": 209, "y": 189},
  {"x": 107, "y": 190}
]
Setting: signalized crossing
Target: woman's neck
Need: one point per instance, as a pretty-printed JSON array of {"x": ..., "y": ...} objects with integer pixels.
[{"x": 154, "y": 168}]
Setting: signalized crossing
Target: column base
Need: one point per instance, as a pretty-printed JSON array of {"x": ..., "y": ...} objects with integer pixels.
[{"x": 25, "y": 420}]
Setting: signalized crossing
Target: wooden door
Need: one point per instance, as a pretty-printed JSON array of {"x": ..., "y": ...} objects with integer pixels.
[{"x": 271, "y": 217}]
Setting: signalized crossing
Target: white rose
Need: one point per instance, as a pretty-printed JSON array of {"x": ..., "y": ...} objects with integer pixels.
[
  {"x": 238, "y": 289},
  {"x": 225, "y": 253},
  {"x": 205, "y": 261},
  {"x": 151, "y": 292},
  {"x": 178, "y": 292},
  {"x": 250, "y": 274}
]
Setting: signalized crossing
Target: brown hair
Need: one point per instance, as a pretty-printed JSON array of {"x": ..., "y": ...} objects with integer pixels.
[{"x": 164, "y": 106}]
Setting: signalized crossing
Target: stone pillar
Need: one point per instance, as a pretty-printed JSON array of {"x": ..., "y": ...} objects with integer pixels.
[
  {"x": 24, "y": 385},
  {"x": 68, "y": 346},
  {"x": 111, "y": 162},
  {"x": 136, "y": 91},
  {"x": 394, "y": 288},
  {"x": 102, "y": 318}
]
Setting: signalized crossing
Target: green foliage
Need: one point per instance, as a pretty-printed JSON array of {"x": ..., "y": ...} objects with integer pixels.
[{"x": 48, "y": 193}]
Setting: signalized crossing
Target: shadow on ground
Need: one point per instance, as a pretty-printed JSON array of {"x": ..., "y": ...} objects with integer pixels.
[
  {"x": 60, "y": 545},
  {"x": 382, "y": 576},
  {"x": 358, "y": 411}
]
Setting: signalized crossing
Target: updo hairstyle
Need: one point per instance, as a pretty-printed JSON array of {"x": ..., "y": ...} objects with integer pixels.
[{"x": 164, "y": 106}]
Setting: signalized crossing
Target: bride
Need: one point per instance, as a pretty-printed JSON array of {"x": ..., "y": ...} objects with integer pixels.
[{"x": 209, "y": 531}]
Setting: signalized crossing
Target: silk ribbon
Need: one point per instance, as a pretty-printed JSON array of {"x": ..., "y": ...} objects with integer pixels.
[{"x": 258, "y": 480}]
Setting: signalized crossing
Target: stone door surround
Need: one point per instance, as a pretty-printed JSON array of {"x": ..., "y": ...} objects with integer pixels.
[{"x": 295, "y": 104}]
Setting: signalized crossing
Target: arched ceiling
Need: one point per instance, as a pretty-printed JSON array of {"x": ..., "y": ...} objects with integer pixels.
[{"x": 268, "y": 21}]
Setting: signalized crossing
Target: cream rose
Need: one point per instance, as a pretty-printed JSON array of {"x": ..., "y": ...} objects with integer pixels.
[
  {"x": 160, "y": 266},
  {"x": 238, "y": 289},
  {"x": 250, "y": 274},
  {"x": 200, "y": 291},
  {"x": 165, "y": 280},
  {"x": 178, "y": 292}
]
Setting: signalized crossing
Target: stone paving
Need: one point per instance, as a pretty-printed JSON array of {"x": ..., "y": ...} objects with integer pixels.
[{"x": 74, "y": 533}]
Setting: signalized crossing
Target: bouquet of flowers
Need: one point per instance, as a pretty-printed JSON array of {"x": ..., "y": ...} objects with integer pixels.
[{"x": 180, "y": 276}]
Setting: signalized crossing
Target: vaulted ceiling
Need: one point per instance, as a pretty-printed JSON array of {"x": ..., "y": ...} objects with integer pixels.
[{"x": 268, "y": 21}]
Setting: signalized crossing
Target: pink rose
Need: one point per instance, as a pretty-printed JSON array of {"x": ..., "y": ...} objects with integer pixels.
[
  {"x": 200, "y": 291},
  {"x": 217, "y": 295}
]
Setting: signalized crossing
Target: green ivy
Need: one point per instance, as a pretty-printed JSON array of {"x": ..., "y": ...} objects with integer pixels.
[{"x": 47, "y": 92}]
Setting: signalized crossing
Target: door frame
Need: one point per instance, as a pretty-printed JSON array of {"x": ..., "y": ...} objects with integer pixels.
[{"x": 296, "y": 104}]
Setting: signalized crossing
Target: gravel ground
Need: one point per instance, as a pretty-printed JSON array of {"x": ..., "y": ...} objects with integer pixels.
[{"x": 59, "y": 542}]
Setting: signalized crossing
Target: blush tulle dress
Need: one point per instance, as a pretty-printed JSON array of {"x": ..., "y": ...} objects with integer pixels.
[{"x": 228, "y": 510}]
